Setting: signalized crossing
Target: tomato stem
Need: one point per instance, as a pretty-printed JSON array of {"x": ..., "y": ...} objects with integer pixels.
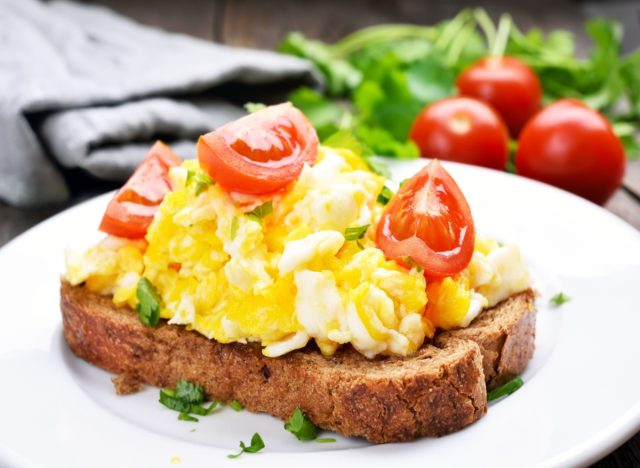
[
  {"x": 502, "y": 37},
  {"x": 487, "y": 26}
]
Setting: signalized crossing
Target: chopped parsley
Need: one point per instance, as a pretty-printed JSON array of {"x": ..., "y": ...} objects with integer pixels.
[
  {"x": 412, "y": 263},
  {"x": 187, "y": 417},
  {"x": 506, "y": 389},
  {"x": 199, "y": 180},
  {"x": 355, "y": 233},
  {"x": 148, "y": 306},
  {"x": 236, "y": 405},
  {"x": 259, "y": 212},
  {"x": 252, "y": 107},
  {"x": 559, "y": 299},
  {"x": 257, "y": 444},
  {"x": 385, "y": 195},
  {"x": 234, "y": 228},
  {"x": 187, "y": 399},
  {"x": 325, "y": 440},
  {"x": 300, "y": 426}
]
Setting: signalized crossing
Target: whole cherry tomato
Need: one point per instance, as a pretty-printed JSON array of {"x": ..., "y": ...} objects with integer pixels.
[
  {"x": 464, "y": 130},
  {"x": 507, "y": 84},
  {"x": 133, "y": 207},
  {"x": 261, "y": 152},
  {"x": 572, "y": 147},
  {"x": 428, "y": 222}
]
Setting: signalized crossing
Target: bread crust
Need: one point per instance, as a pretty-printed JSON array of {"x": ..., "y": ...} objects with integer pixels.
[{"x": 438, "y": 390}]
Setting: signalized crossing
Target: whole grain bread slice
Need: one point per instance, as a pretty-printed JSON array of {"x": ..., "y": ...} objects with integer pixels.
[
  {"x": 506, "y": 336},
  {"x": 438, "y": 390}
]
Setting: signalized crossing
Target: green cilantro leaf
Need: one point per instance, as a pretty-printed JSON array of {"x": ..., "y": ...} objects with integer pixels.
[
  {"x": 205, "y": 411},
  {"x": 234, "y": 228},
  {"x": 187, "y": 417},
  {"x": 385, "y": 195},
  {"x": 355, "y": 233},
  {"x": 257, "y": 444},
  {"x": 325, "y": 440},
  {"x": 236, "y": 405},
  {"x": 258, "y": 213},
  {"x": 148, "y": 306},
  {"x": 411, "y": 262},
  {"x": 506, "y": 389},
  {"x": 559, "y": 299},
  {"x": 199, "y": 180},
  {"x": 252, "y": 107},
  {"x": 189, "y": 392},
  {"x": 301, "y": 427}
]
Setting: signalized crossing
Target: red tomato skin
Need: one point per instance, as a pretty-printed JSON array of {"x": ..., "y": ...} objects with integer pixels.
[
  {"x": 131, "y": 210},
  {"x": 463, "y": 130},
  {"x": 573, "y": 147},
  {"x": 280, "y": 130},
  {"x": 507, "y": 84},
  {"x": 442, "y": 210}
]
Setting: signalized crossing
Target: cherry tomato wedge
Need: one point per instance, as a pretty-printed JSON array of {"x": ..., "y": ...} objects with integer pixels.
[
  {"x": 133, "y": 207},
  {"x": 463, "y": 130},
  {"x": 573, "y": 147},
  {"x": 429, "y": 222},
  {"x": 260, "y": 153},
  {"x": 507, "y": 84}
]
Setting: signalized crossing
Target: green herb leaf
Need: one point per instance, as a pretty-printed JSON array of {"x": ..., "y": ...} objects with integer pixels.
[
  {"x": 174, "y": 403},
  {"x": 559, "y": 299},
  {"x": 189, "y": 392},
  {"x": 506, "y": 389},
  {"x": 234, "y": 228},
  {"x": 301, "y": 427},
  {"x": 205, "y": 411},
  {"x": 257, "y": 444},
  {"x": 344, "y": 139},
  {"x": 261, "y": 211},
  {"x": 355, "y": 233},
  {"x": 148, "y": 306},
  {"x": 252, "y": 107},
  {"x": 411, "y": 262},
  {"x": 187, "y": 417},
  {"x": 236, "y": 405},
  {"x": 327, "y": 116},
  {"x": 198, "y": 180},
  {"x": 385, "y": 195},
  {"x": 325, "y": 440}
]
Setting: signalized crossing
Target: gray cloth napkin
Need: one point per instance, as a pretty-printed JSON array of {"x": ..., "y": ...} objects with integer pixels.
[{"x": 82, "y": 87}]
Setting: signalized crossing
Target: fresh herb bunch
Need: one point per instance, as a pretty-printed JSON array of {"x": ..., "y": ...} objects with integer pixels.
[{"x": 380, "y": 77}]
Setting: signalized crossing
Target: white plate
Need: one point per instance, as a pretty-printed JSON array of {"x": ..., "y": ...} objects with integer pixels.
[{"x": 581, "y": 398}]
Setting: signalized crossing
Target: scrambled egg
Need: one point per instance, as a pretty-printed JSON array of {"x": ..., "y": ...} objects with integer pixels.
[{"x": 291, "y": 276}]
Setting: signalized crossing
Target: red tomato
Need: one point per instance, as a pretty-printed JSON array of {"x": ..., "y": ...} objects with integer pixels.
[
  {"x": 259, "y": 153},
  {"x": 507, "y": 84},
  {"x": 430, "y": 222},
  {"x": 133, "y": 207},
  {"x": 572, "y": 147},
  {"x": 463, "y": 130}
]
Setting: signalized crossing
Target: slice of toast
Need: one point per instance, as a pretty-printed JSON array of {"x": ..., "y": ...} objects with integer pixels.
[{"x": 438, "y": 390}]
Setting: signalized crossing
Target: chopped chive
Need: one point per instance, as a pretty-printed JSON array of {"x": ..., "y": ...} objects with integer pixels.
[
  {"x": 258, "y": 213},
  {"x": 236, "y": 405},
  {"x": 234, "y": 228},
  {"x": 325, "y": 440},
  {"x": 187, "y": 417},
  {"x": 385, "y": 195}
]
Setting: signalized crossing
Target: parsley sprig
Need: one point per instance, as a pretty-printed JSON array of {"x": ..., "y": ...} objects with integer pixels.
[
  {"x": 300, "y": 426},
  {"x": 148, "y": 306},
  {"x": 257, "y": 444}
]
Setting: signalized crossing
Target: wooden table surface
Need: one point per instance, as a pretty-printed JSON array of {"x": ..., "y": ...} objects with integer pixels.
[{"x": 262, "y": 23}]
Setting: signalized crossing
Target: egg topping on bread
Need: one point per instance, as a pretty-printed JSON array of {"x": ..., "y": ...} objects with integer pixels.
[{"x": 293, "y": 267}]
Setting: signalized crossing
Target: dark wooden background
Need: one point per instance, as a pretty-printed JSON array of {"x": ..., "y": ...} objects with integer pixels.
[{"x": 263, "y": 23}]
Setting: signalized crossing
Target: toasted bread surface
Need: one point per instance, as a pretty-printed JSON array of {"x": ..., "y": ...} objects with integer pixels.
[{"x": 438, "y": 390}]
